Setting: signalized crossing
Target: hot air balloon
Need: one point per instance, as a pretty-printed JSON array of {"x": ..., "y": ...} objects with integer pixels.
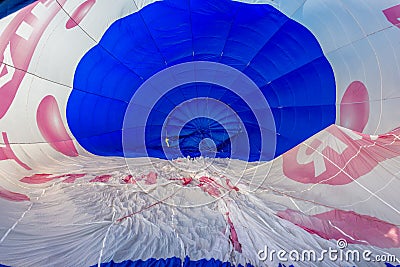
[{"x": 199, "y": 133}]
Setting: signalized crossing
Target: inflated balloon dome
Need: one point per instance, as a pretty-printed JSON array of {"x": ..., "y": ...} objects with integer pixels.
[{"x": 200, "y": 133}]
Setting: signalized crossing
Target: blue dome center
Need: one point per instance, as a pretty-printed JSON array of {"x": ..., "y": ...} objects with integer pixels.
[{"x": 281, "y": 56}]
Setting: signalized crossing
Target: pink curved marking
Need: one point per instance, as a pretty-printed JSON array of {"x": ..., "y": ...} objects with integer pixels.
[
  {"x": 208, "y": 180},
  {"x": 101, "y": 178},
  {"x": 233, "y": 237},
  {"x": 210, "y": 186},
  {"x": 185, "y": 180},
  {"x": 393, "y": 15},
  {"x": 212, "y": 191},
  {"x": 150, "y": 178},
  {"x": 72, "y": 177},
  {"x": 340, "y": 158},
  {"x": 354, "y": 108},
  {"x": 12, "y": 196},
  {"x": 128, "y": 179},
  {"x": 51, "y": 126},
  {"x": 79, "y": 13},
  {"x": 43, "y": 178},
  {"x": 7, "y": 153},
  {"x": 18, "y": 46},
  {"x": 313, "y": 146},
  {"x": 230, "y": 186},
  {"x": 37, "y": 179},
  {"x": 363, "y": 229}
]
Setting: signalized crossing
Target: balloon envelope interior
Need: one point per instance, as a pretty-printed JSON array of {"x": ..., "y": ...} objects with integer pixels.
[{"x": 199, "y": 132}]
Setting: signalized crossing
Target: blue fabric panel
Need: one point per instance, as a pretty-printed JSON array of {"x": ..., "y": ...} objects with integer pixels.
[
  {"x": 281, "y": 56},
  {"x": 100, "y": 131},
  {"x": 180, "y": 94},
  {"x": 106, "y": 76},
  {"x": 191, "y": 137},
  {"x": 8, "y": 7}
]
